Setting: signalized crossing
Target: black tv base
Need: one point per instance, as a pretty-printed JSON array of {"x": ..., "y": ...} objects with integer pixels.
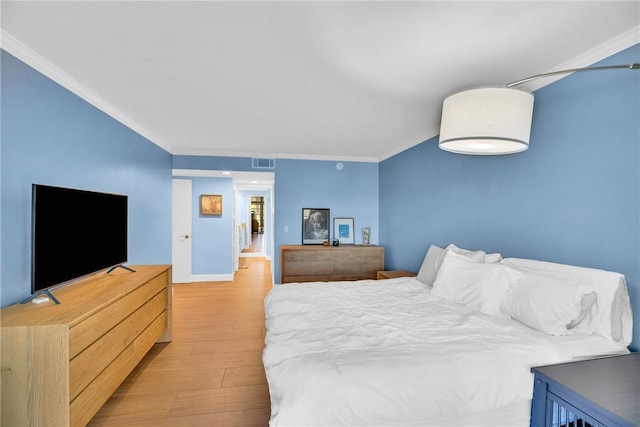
[
  {"x": 121, "y": 266},
  {"x": 46, "y": 292}
]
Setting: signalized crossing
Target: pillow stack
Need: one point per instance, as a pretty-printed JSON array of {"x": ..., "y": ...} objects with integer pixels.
[
  {"x": 435, "y": 256},
  {"x": 552, "y": 298},
  {"x": 550, "y": 305},
  {"x": 476, "y": 284},
  {"x": 610, "y": 316}
]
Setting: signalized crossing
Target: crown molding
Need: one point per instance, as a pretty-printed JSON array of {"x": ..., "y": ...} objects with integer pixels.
[
  {"x": 288, "y": 156},
  {"x": 590, "y": 57},
  {"x": 42, "y": 65},
  {"x": 45, "y": 67},
  {"x": 611, "y": 47}
]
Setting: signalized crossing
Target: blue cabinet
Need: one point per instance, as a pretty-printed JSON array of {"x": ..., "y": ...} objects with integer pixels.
[{"x": 597, "y": 392}]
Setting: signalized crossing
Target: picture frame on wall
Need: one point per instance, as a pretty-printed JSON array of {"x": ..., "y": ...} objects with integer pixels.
[
  {"x": 315, "y": 226},
  {"x": 211, "y": 205},
  {"x": 343, "y": 230}
]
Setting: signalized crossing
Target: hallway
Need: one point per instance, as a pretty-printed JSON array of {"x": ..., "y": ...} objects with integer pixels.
[
  {"x": 211, "y": 374},
  {"x": 257, "y": 244}
]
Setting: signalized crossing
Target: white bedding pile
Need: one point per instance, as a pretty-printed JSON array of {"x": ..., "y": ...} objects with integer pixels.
[{"x": 389, "y": 352}]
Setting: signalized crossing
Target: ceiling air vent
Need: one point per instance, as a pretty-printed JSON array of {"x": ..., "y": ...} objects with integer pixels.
[{"x": 264, "y": 163}]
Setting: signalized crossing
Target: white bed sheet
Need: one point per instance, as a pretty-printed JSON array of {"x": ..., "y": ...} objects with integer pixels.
[{"x": 389, "y": 353}]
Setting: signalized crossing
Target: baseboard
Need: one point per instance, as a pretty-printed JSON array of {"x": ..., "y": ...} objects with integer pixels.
[
  {"x": 251, "y": 254},
  {"x": 212, "y": 277}
]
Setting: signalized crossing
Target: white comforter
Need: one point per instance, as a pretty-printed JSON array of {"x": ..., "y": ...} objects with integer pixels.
[{"x": 385, "y": 352}]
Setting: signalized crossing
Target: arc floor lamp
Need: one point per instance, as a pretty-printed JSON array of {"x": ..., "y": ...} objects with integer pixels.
[{"x": 494, "y": 120}]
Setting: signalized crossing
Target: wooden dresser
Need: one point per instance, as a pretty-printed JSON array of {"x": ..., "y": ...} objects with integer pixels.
[
  {"x": 311, "y": 263},
  {"x": 60, "y": 363}
]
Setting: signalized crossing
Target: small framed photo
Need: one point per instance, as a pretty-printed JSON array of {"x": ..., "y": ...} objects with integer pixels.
[
  {"x": 211, "y": 204},
  {"x": 343, "y": 230},
  {"x": 366, "y": 234},
  {"x": 315, "y": 226}
]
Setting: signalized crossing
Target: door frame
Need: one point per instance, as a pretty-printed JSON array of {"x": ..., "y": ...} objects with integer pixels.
[
  {"x": 269, "y": 227},
  {"x": 266, "y": 226},
  {"x": 242, "y": 181}
]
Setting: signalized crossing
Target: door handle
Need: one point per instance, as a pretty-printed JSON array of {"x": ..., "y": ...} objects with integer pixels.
[{"x": 186, "y": 236}]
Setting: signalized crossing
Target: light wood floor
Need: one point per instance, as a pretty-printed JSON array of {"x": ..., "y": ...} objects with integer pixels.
[
  {"x": 257, "y": 244},
  {"x": 211, "y": 374}
]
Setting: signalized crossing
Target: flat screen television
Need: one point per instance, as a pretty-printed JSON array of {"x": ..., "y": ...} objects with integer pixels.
[{"x": 75, "y": 233}]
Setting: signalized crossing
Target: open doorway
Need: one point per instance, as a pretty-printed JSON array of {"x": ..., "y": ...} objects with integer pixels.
[
  {"x": 257, "y": 226},
  {"x": 254, "y": 216}
]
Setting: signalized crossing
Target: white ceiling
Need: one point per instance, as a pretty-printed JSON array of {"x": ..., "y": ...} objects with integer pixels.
[{"x": 358, "y": 81}]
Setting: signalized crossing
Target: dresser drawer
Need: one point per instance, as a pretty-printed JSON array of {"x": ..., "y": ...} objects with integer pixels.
[
  {"x": 308, "y": 263},
  {"x": 87, "y": 365},
  {"x": 89, "y": 330},
  {"x": 92, "y": 398}
]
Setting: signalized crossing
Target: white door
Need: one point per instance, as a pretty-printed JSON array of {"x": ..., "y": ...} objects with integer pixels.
[{"x": 181, "y": 229}]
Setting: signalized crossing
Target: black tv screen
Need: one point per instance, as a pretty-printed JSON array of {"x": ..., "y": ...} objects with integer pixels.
[{"x": 75, "y": 233}]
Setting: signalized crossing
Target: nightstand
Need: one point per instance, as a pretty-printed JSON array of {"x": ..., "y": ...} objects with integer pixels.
[
  {"x": 598, "y": 392},
  {"x": 392, "y": 274}
]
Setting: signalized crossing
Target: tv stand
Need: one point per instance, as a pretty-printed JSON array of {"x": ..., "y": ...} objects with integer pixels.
[
  {"x": 120, "y": 266},
  {"x": 61, "y": 363},
  {"x": 46, "y": 292}
]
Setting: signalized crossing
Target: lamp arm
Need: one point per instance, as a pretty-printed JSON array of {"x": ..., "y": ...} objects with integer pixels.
[{"x": 635, "y": 66}]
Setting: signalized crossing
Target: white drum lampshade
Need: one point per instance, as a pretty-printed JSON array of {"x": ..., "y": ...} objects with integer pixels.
[{"x": 486, "y": 121}]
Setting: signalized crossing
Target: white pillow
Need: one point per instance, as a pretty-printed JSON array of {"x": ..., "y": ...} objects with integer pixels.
[
  {"x": 613, "y": 318},
  {"x": 430, "y": 265},
  {"x": 492, "y": 258},
  {"x": 584, "y": 324},
  {"x": 435, "y": 256},
  {"x": 476, "y": 255},
  {"x": 476, "y": 285},
  {"x": 549, "y": 304}
]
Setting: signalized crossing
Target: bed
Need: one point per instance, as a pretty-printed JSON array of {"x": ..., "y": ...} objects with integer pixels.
[{"x": 451, "y": 347}]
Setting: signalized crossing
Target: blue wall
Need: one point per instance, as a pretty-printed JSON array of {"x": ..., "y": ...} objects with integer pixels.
[
  {"x": 573, "y": 197},
  {"x": 212, "y": 236},
  {"x": 51, "y": 136},
  {"x": 351, "y": 192}
]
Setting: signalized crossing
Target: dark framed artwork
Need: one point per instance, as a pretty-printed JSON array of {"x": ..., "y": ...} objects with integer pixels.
[
  {"x": 211, "y": 204},
  {"x": 343, "y": 230},
  {"x": 315, "y": 226}
]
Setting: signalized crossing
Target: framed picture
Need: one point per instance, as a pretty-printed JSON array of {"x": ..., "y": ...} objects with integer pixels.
[
  {"x": 211, "y": 204},
  {"x": 366, "y": 234},
  {"x": 315, "y": 226},
  {"x": 343, "y": 230}
]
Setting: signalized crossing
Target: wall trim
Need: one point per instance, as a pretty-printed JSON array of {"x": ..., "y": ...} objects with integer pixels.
[
  {"x": 44, "y": 66},
  {"x": 41, "y": 64},
  {"x": 590, "y": 57},
  {"x": 254, "y": 255},
  {"x": 212, "y": 277},
  {"x": 586, "y": 59}
]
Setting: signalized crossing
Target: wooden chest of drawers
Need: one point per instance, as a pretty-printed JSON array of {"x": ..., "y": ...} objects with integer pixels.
[
  {"x": 311, "y": 263},
  {"x": 60, "y": 363}
]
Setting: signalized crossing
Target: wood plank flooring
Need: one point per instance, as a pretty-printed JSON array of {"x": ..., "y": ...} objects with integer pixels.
[
  {"x": 211, "y": 374},
  {"x": 257, "y": 244}
]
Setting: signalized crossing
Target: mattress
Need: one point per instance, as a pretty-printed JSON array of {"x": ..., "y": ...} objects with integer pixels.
[{"x": 388, "y": 352}]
